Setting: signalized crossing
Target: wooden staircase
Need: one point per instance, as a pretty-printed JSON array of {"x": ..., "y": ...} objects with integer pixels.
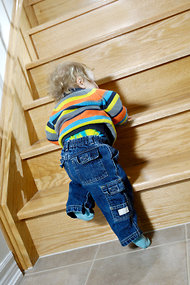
[{"x": 140, "y": 50}]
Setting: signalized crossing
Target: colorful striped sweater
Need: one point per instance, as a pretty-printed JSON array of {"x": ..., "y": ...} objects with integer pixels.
[{"x": 92, "y": 109}]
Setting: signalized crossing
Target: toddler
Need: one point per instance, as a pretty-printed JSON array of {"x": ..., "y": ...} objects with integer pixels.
[{"x": 83, "y": 123}]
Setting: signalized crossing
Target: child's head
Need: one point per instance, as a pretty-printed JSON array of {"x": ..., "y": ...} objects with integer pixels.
[{"x": 70, "y": 75}]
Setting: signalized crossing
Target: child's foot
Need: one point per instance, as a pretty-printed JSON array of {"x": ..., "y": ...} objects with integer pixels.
[
  {"x": 87, "y": 216},
  {"x": 142, "y": 242}
]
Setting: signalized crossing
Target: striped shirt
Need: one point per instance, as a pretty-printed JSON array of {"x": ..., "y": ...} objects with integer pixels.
[{"x": 96, "y": 110}]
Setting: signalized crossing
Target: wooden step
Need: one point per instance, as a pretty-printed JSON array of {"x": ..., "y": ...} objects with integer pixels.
[
  {"x": 152, "y": 174},
  {"x": 137, "y": 145},
  {"x": 157, "y": 208},
  {"x": 101, "y": 26},
  {"x": 133, "y": 52},
  {"x": 179, "y": 106},
  {"x": 158, "y": 172},
  {"x": 167, "y": 78},
  {"x": 42, "y": 11},
  {"x": 149, "y": 95},
  {"x": 44, "y": 202}
]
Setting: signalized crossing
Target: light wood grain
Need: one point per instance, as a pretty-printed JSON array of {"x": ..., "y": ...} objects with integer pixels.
[
  {"x": 139, "y": 50},
  {"x": 44, "y": 202},
  {"x": 162, "y": 205},
  {"x": 147, "y": 88},
  {"x": 145, "y": 144},
  {"x": 128, "y": 16},
  {"x": 37, "y": 103},
  {"x": 29, "y": 9},
  {"x": 150, "y": 174},
  {"x": 154, "y": 148},
  {"x": 156, "y": 139},
  {"x": 41, "y": 145},
  {"x": 149, "y": 95},
  {"x": 48, "y": 10},
  {"x": 23, "y": 28},
  {"x": 163, "y": 131}
]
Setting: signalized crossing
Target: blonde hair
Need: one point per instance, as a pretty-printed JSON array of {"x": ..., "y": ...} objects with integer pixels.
[{"x": 64, "y": 77}]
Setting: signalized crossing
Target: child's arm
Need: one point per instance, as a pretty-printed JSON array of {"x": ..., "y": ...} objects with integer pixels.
[
  {"x": 113, "y": 106},
  {"x": 51, "y": 133}
]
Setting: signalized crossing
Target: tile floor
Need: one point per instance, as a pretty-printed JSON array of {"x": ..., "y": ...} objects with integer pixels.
[{"x": 165, "y": 262}]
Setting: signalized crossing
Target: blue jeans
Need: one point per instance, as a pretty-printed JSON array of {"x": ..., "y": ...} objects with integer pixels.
[{"x": 95, "y": 174}]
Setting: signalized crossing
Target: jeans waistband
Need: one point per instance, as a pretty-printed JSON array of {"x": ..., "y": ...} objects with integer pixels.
[{"x": 88, "y": 140}]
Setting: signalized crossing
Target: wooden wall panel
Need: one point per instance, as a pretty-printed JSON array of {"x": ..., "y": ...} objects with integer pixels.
[
  {"x": 156, "y": 208},
  {"x": 150, "y": 46}
]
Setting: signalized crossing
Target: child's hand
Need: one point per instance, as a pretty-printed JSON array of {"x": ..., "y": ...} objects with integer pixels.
[{"x": 130, "y": 118}]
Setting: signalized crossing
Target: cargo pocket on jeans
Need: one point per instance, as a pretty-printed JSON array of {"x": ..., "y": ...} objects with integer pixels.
[
  {"x": 117, "y": 200},
  {"x": 89, "y": 166}
]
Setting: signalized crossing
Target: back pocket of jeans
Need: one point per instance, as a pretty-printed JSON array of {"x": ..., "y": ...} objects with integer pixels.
[
  {"x": 89, "y": 166},
  {"x": 117, "y": 199}
]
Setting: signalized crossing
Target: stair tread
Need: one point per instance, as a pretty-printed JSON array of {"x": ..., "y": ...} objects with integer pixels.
[
  {"x": 161, "y": 171},
  {"x": 152, "y": 174},
  {"x": 161, "y": 46},
  {"x": 184, "y": 93},
  {"x": 54, "y": 11},
  {"x": 44, "y": 202},
  {"x": 56, "y": 32},
  {"x": 158, "y": 112}
]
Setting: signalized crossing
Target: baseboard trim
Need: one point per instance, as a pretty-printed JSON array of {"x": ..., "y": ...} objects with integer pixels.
[{"x": 10, "y": 274}]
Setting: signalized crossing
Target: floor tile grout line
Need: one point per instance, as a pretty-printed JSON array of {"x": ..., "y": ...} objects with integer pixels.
[
  {"x": 187, "y": 254},
  {"x": 71, "y": 250},
  {"x": 140, "y": 250},
  {"x": 90, "y": 270},
  {"x": 100, "y": 244},
  {"x": 56, "y": 268},
  {"x": 98, "y": 248},
  {"x": 105, "y": 242},
  {"x": 105, "y": 257}
]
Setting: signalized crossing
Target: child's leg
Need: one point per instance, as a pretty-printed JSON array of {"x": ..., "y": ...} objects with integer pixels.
[
  {"x": 98, "y": 172},
  {"x": 141, "y": 241},
  {"x": 114, "y": 196},
  {"x": 80, "y": 203}
]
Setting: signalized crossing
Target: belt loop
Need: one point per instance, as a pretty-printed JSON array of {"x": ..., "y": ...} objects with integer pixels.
[
  {"x": 67, "y": 146},
  {"x": 92, "y": 140}
]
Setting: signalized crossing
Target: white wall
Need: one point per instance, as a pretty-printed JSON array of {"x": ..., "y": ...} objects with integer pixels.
[
  {"x": 4, "y": 250},
  {"x": 9, "y": 272},
  {"x": 5, "y": 20}
]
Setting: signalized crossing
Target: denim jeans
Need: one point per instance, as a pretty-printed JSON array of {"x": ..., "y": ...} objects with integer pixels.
[{"x": 96, "y": 175}]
